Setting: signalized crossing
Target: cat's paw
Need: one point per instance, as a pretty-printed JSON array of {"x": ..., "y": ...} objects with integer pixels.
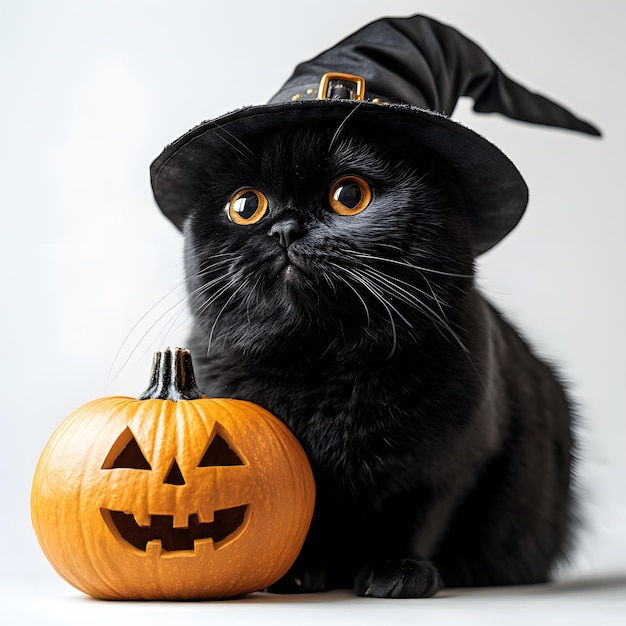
[
  {"x": 308, "y": 578},
  {"x": 398, "y": 578}
]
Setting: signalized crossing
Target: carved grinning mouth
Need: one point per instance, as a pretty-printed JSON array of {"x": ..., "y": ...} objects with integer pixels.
[{"x": 125, "y": 527}]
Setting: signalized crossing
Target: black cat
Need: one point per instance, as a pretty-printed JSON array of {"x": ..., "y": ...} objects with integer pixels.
[
  {"x": 330, "y": 237},
  {"x": 330, "y": 275}
]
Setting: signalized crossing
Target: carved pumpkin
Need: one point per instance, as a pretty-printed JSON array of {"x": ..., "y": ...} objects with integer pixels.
[{"x": 173, "y": 495}]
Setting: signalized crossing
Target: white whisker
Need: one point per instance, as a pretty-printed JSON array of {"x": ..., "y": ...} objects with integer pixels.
[
  {"x": 435, "y": 298},
  {"x": 222, "y": 129},
  {"x": 409, "y": 265},
  {"x": 206, "y": 269},
  {"x": 232, "y": 297},
  {"x": 252, "y": 293},
  {"x": 346, "y": 282},
  {"x": 110, "y": 380},
  {"x": 393, "y": 286},
  {"x": 380, "y": 298},
  {"x": 341, "y": 126}
]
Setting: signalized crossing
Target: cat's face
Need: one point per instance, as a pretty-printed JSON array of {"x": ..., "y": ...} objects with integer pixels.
[{"x": 299, "y": 238}]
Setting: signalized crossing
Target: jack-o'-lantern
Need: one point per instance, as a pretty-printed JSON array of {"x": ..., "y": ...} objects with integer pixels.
[{"x": 173, "y": 495}]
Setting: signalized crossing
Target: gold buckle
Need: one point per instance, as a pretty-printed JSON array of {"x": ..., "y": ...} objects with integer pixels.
[{"x": 325, "y": 85}]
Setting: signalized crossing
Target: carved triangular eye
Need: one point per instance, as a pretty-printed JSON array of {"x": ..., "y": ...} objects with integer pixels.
[
  {"x": 219, "y": 453},
  {"x": 126, "y": 453}
]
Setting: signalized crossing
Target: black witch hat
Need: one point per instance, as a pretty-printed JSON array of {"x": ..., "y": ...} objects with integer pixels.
[{"x": 401, "y": 75}]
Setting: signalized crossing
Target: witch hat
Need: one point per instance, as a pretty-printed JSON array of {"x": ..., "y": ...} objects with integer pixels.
[{"x": 403, "y": 75}]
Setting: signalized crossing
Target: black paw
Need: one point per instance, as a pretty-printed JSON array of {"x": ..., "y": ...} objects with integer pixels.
[
  {"x": 398, "y": 578},
  {"x": 301, "y": 579}
]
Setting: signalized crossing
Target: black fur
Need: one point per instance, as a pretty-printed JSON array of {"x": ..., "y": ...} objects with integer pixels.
[{"x": 440, "y": 445}]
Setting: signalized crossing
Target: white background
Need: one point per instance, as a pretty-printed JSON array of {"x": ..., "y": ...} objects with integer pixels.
[{"x": 90, "y": 94}]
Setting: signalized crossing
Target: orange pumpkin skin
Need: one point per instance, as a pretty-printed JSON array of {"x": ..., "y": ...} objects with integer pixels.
[{"x": 78, "y": 483}]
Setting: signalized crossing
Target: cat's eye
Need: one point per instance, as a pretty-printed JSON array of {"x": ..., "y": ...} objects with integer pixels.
[
  {"x": 349, "y": 195},
  {"x": 247, "y": 206}
]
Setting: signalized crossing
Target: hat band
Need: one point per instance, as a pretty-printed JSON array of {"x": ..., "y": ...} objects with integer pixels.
[{"x": 332, "y": 86}]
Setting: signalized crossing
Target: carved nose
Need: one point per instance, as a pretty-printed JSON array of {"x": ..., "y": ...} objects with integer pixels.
[
  {"x": 174, "y": 476},
  {"x": 286, "y": 231}
]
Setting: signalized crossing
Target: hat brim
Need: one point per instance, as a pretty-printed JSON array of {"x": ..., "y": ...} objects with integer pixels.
[{"x": 495, "y": 192}]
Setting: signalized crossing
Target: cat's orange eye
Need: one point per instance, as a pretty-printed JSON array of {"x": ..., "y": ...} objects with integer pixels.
[
  {"x": 349, "y": 195},
  {"x": 247, "y": 206}
]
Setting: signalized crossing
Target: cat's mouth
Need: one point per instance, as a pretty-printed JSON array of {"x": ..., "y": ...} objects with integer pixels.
[
  {"x": 290, "y": 271},
  {"x": 290, "y": 267}
]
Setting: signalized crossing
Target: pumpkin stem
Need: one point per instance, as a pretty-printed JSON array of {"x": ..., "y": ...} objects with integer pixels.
[{"x": 172, "y": 377}]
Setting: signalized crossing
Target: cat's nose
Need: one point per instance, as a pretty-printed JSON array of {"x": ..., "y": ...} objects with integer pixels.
[{"x": 286, "y": 231}]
